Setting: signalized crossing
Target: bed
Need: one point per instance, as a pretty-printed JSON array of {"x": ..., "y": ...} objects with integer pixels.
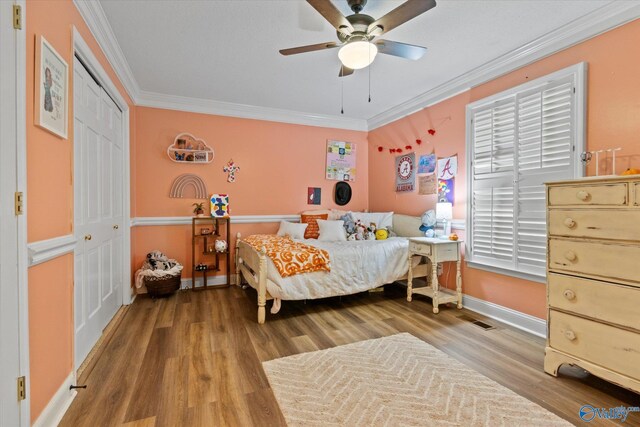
[{"x": 356, "y": 266}]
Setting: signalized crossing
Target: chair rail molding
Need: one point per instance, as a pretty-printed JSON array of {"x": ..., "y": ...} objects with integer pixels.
[
  {"x": 237, "y": 219},
  {"x": 45, "y": 250}
]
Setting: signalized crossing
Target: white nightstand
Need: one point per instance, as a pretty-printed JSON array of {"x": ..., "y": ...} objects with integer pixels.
[{"x": 437, "y": 250}]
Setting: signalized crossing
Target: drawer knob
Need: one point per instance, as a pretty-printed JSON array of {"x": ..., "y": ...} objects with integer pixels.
[
  {"x": 569, "y": 294},
  {"x": 570, "y": 335},
  {"x": 570, "y": 255},
  {"x": 569, "y": 223},
  {"x": 582, "y": 195}
]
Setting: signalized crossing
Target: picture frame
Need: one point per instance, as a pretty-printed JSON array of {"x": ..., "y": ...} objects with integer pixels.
[{"x": 51, "y": 94}]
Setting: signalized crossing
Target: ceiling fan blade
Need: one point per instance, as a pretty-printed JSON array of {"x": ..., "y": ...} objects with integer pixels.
[
  {"x": 345, "y": 71},
  {"x": 332, "y": 14},
  {"x": 403, "y": 50},
  {"x": 401, "y": 14},
  {"x": 309, "y": 48}
]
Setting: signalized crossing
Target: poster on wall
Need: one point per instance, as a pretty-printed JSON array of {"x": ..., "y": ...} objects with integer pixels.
[
  {"x": 447, "y": 167},
  {"x": 405, "y": 173},
  {"x": 446, "y": 190},
  {"x": 51, "y": 89},
  {"x": 341, "y": 161},
  {"x": 427, "y": 184},
  {"x": 427, "y": 163},
  {"x": 313, "y": 195}
]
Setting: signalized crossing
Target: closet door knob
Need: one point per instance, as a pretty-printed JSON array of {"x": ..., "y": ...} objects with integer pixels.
[
  {"x": 570, "y": 255},
  {"x": 569, "y": 294},
  {"x": 582, "y": 195},
  {"x": 570, "y": 335},
  {"x": 115, "y": 227},
  {"x": 87, "y": 237},
  {"x": 569, "y": 223}
]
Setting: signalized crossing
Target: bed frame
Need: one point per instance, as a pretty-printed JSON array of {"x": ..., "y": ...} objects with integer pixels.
[{"x": 252, "y": 266}]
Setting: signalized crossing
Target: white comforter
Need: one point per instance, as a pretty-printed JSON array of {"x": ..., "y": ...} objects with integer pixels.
[{"x": 356, "y": 266}]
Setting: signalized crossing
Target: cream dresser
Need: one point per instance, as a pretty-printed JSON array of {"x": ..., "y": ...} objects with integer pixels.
[{"x": 593, "y": 274}]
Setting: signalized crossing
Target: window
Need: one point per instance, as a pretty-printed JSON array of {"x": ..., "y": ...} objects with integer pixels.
[{"x": 516, "y": 141}]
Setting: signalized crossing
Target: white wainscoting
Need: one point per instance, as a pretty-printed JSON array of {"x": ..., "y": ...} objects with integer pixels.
[{"x": 45, "y": 250}]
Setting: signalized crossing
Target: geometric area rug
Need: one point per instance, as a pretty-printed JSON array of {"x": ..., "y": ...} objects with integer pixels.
[{"x": 397, "y": 380}]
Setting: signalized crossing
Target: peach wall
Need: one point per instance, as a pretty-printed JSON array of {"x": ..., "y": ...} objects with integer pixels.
[
  {"x": 612, "y": 120},
  {"x": 50, "y": 207},
  {"x": 277, "y": 163},
  {"x": 50, "y": 329}
]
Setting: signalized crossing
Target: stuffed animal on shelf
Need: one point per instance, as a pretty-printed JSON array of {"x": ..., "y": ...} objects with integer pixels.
[
  {"x": 221, "y": 245},
  {"x": 428, "y": 223}
]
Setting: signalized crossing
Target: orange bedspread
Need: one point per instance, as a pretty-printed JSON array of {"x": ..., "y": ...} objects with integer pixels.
[{"x": 290, "y": 257}]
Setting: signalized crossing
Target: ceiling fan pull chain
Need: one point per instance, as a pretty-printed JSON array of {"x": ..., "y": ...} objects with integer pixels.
[
  {"x": 341, "y": 96},
  {"x": 369, "y": 71}
]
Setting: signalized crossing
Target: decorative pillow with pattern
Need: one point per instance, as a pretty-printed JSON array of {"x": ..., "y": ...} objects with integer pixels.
[{"x": 312, "y": 231}]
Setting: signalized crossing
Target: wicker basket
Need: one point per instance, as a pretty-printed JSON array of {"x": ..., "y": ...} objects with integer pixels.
[{"x": 161, "y": 286}]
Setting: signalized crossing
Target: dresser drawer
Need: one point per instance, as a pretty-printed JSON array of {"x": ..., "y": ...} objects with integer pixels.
[
  {"x": 621, "y": 224},
  {"x": 613, "y": 348},
  {"x": 417, "y": 248},
  {"x": 610, "y": 261},
  {"x": 600, "y": 300},
  {"x": 589, "y": 195}
]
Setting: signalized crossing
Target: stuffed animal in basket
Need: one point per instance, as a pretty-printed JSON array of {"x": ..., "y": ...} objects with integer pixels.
[{"x": 156, "y": 260}]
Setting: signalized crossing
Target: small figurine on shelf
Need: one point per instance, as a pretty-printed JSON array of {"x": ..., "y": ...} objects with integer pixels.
[
  {"x": 205, "y": 231},
  {"x": 221, "y": 245},
  {"x": 201, "y": 267},
  {"x": 198, "y": 209}
]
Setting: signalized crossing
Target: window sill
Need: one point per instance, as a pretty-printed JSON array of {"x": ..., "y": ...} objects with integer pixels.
[{"x": 506, "y": 272}]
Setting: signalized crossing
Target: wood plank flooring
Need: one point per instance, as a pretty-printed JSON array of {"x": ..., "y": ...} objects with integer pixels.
[{"x": 194, "y": 359}]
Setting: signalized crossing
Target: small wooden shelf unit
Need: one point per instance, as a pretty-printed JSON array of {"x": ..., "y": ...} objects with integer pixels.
[{"x": 200, "y": 244}]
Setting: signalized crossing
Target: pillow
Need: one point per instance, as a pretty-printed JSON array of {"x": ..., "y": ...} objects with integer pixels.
[
  {"x": 292, "y": 229},
  {"x": 312, "y": 230},
  {"x": 407, "y": 226},
  {"x": 380, "y": 219},
  {"x": 336, "y": 214},
  {"x": 331, "y": 231}
]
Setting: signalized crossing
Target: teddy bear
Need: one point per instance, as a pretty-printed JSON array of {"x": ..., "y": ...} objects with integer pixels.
[{"x": 361, "y": 230}]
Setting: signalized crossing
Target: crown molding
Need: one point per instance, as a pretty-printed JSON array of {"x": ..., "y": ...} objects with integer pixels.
[
  {"x": 95, "y": 18},
  {"x": 608, "y": 17},
  {"x": 220, "y": 108}
]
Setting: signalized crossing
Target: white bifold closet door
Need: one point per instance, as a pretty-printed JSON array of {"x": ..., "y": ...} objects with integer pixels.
[{"x": 98, "y": 217}]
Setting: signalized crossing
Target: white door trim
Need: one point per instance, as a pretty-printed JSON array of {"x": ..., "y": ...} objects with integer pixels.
[
  {"x": 14, "y": 63},
  {"x": 84, "y": 52},
  {"x": 21, "y": 172}
]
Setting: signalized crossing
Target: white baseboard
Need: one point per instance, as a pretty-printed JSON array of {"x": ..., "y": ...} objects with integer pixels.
[
  {"x": 525, "y": 322},
  {"x": 58, "y": 405}
]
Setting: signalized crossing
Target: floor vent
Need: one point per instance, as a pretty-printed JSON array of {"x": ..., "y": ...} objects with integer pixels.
[
  {"x": 476, "y": 322},
  {"x": 483, "y": 325}
]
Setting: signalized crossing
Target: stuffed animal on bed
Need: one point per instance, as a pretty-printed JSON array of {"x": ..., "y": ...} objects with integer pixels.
[
  {"x": 371, "y": 231},
  {"x": 361, "y": 230},
  {"x": 349, "y": 224},
  {"x": 428, "y": 223}
]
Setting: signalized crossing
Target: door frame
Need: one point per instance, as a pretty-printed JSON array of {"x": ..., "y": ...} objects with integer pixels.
[
  {"x": 88, "y": 58},
  {"x": 22, "y": 320}
]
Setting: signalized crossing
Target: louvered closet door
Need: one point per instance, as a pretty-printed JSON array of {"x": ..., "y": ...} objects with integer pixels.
[
  {"x": 492, "y": 215},
  {"x": 98, "y": 217},
  {"x": 544, "y": 153}
]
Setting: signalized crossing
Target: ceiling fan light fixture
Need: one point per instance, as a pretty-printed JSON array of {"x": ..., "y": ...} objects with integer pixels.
[{"x": 357, "y": 54}]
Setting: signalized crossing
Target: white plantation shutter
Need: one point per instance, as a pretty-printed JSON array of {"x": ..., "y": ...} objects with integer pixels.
[{"x": 517, "y": 141}]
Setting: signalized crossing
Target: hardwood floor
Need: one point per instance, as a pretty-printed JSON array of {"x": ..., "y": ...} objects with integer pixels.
[{"x": 194, "y": 359}]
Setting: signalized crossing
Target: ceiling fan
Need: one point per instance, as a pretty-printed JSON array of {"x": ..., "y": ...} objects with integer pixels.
[{"x": 356, "y": 33}]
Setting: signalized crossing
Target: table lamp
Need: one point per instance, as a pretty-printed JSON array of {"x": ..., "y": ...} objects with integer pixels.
[{"x": 444, "y": 212}]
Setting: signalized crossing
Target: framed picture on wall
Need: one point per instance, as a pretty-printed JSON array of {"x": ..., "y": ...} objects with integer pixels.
[{"x": 51, "y": 89}]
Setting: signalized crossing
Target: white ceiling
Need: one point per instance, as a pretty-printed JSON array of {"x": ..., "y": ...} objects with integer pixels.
[{"x": 228, "y": 50}]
